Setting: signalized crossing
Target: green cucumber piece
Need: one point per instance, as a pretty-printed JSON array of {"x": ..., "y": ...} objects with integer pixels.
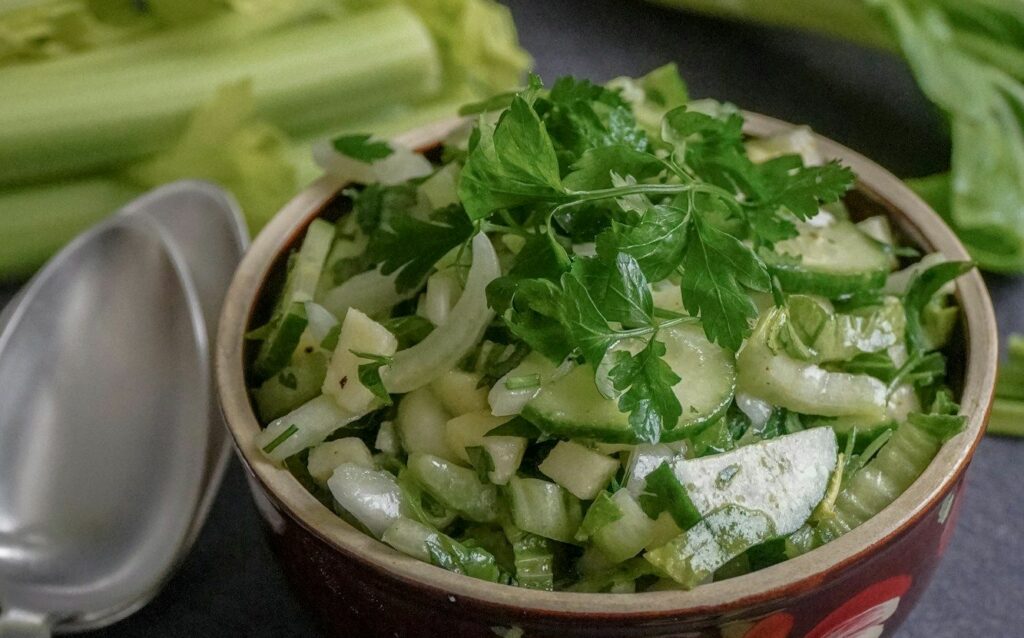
[
  {"x": 276, "y": 351},
  {"x": 693, "y": 557},
  {"x": 544, "y": 509},
  {"x": 572, "y": 407},
  {"x": 457, "y": 488},
  {"x": 784, "y": 478},
  {"x": 832, "y": 260}
]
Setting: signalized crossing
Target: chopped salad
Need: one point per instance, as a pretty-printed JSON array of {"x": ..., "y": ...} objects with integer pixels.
[{"x": 602, "y": 341}]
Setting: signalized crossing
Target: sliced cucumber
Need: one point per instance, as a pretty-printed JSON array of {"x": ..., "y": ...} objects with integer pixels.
[
  {"x": 507, "y": 398},
  {"x": 571, "y": 406},
  {"x": 624, "y": 538},
  {"x": 694, "y": 556},
  {"x": 578, "y": 469},
  {"x": 802, "y": 386},
  {"x": 455, "y": 487},
  {"x": 324, "y": 458},
  {"x": 544, "y": 509},
  {"x": 783, "y": 478},
  {"x": 360, "y": 334},
  {"x": 831, "y": 260}
]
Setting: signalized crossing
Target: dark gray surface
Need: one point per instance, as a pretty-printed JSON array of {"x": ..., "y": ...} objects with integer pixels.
[{"x": 230, "y": 586}]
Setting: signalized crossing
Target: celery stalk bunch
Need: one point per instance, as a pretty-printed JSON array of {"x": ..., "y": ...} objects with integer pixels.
[
  {"x": 968, "y": 58},
  {"x": 104, "y": 99}
]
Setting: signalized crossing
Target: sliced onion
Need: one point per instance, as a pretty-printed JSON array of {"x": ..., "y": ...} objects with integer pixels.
[
  {"x": 441, "y": 350},
  {"x": 644, "y": 459},
  {"x": 757, "y": 410},
  {"x": 403, "y": 164},
  {"x": 505, "y": 402},
  {"x": 370, "y": 292},
  {"x": 899, "y": 281},
  {"x": 321, "y": 321},
  {"x": 371, "y": 496}
]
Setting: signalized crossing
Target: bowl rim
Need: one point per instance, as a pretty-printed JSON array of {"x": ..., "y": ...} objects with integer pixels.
[{"x": 789, "y": 578}]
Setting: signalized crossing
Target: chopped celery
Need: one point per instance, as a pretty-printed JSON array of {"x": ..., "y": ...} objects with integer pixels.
[
  {"x": 544, "y": 509},
  {"x": 626, "y": 536},
  {"x": 534, "y": 559},
  {"x": 457, "y": 488}
]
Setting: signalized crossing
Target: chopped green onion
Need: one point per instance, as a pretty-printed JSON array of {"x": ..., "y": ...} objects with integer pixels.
[
  {"x": 522, "y": 382},
  {"x": 281, "y": 438}
]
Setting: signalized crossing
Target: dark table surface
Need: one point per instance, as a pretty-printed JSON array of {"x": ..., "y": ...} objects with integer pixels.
[{"x": 230, "y": 585}]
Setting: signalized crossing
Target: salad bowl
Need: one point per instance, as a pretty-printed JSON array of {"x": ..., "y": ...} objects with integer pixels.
[{"x": 861, "y": 584}]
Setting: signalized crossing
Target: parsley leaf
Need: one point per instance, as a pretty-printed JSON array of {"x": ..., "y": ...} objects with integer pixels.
[
  {"x": 618, "y": 287},
  {"x": 718, "y": 269},
  {"x": 369, "y": 374},
  {"x": 601, "y": 512},
  {"x": 510, "y": 164},
  {"x": 664, "y": 493},
  {"x": 533, "y": 312},
  {"x": 360, "y": 147},
  {"x": 594, "y": 167},
  {"x": 803, "y": 189},
  {"x": 922, "y": 288},
  {"x": 377, "y": 204},
  {"x": 646, "y": 382},
  {"x": 657, "y": 242},
  {"x": 413, "y": 246}
]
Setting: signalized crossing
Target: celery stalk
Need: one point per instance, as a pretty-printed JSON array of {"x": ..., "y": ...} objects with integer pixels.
[{"x": 303, "y": 79}]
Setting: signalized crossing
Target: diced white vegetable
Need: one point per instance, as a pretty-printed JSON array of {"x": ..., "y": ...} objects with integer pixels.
[
  {"x": 506, "y": 401},
  {"x": 665, "y": 529},
  {"x": 544, "y": 509},
  {"x": 578, "y": 469},
  {"x": 798, "y": 140},
  {"x": 757, "y": 410},
  {"x": 359, "y": 333},
  {"x": 784, "y": 477},
  {"x": 668, "y": 296},
  {"x": 419, "y": 365},
  {"x": 371, "y": 292},
  {"x": 387, "y": 439},
  {"x": 902, "y": 401},
  {"x": 311, "y": 423},
  {"x": 458, "y": 391},
  {"x": 469, "y": 430},
  {"x": 623, "y": 539},
  {"x": 372, "y": 497},
  {"x": 899, "y": 281},
  {"x": 440, "y": 189},
  {"x": 321, "y": 322},
  {"x": 421, "y": 424},
  {"x": 329, "y": 455},
  {"x": 443, "y": 291}
]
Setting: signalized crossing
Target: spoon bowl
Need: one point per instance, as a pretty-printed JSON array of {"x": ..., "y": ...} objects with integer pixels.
[{"x": 104, "y": 408}]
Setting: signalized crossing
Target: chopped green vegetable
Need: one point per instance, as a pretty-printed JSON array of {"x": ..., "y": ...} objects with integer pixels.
[{"x": 664, "y": 493}]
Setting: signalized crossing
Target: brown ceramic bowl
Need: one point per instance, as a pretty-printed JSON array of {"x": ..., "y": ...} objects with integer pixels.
[{"x": 863, "y": 581}]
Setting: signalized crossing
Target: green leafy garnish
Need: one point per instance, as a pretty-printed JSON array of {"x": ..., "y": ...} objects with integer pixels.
[
  {"x": 602, "y": 511},
  {"x": 361, "y": 147},
  {"x": 447, "y": 229},
  {"x": 369, "y": 374},
  {"x": 664, "y": 493}
]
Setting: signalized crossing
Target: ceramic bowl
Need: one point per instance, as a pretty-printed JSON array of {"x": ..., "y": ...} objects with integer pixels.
[{"x": 862, "y": 584}]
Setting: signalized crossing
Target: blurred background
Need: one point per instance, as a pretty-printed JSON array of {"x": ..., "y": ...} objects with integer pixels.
[{"x": 101, "y": 100}]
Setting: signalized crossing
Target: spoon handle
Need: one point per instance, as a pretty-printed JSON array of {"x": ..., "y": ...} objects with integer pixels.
[{"x": 15, "y": 623}]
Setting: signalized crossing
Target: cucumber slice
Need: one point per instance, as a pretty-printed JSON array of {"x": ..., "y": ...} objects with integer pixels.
[
  {"x": 805, "y": 387},
  {"x": 578, "y": 469},
  {"x": 571, "y": 406},
  {"x": 507, "y": 397},
  {"x": 783, "y": 478},
  {"x": 455, "y": 487},
  {"x": 544, "y": 509},
  {"x": 694, "y": 556},
  {"x": 831, "y": 260},
  {"x": 276, "y": 351}
]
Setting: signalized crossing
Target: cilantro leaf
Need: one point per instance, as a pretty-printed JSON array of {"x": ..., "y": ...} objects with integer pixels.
[
  {"x": 718, "y": 269},
  {"x": 369, "y": 374},
  {"x": 618, "y": 287},
  {"x": 646, "y": 382},
  {"x": 510, "y": 164},
  {"x": 802, "y": 189},
  {"x": 360, "y": 147},
  {"x": 657, "y": 242},
  {"x": 413, "y": 246},
  {"x": 664, "y": 493}
]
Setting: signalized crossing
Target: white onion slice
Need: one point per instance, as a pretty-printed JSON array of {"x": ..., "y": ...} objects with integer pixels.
[
  {"x": 757, "y": 410},
  {"x": 403, "y": 164},
  {"x": 371, "y": 292},
  {"x": 371, "y": 496},
  {"x": 445, "y": 345},
  {"x": 321, "y": 321}
]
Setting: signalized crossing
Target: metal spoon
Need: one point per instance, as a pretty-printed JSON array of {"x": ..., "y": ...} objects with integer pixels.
[{"x": 104, "y": 406}]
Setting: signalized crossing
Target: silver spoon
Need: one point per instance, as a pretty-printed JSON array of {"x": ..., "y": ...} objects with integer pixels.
[{"x": 104, "y": 406}]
